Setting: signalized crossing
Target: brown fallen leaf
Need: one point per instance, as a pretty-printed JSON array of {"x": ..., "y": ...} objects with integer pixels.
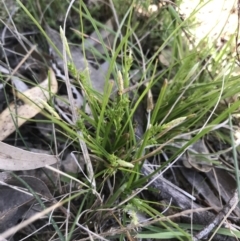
[
  {"x": 16, "y": 159},
  {"x": 13, "y": 158},
  {"x": 16, "y": 115},
  {"x": 14, "y": 205},
  {"x": 17, "y": 205}
]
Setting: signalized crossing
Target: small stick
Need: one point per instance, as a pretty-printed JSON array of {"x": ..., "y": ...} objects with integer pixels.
[{"x": 219, "y": 219}]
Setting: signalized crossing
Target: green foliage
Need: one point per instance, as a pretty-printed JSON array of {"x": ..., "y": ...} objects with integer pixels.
[{"x": 186, "y": 98}]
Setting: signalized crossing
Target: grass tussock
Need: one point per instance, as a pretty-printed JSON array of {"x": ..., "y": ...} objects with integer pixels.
[{"x": 181, "y": 89}]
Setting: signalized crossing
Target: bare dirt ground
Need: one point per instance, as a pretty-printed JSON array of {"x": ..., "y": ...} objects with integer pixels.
[{"x": 216, "y": 18}]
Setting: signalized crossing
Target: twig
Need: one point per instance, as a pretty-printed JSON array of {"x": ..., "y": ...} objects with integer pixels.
[{"x": 219, "y": 219}]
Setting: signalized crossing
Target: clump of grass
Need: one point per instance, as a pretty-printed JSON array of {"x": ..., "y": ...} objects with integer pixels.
[{"x": 186, "y": 98}]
